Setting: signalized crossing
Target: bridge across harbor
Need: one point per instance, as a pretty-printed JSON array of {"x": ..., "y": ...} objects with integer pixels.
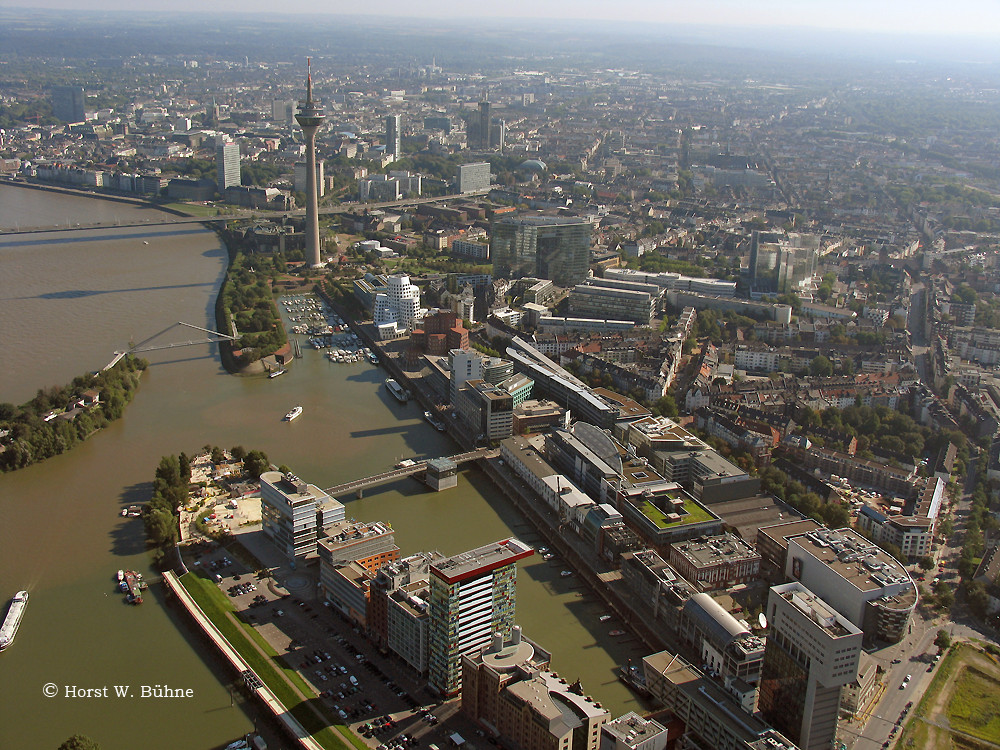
[
  {"x": 359, "y": 485},
  {"x": 235, "y": 215},
  {"x": 144, "y": 346}
]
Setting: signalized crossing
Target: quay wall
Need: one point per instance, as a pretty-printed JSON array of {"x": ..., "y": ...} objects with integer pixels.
[{"x": 268, "y": 698}]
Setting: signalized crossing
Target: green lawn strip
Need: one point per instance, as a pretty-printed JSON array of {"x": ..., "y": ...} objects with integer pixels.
[
  {"x": 654, "y": 514},
  {"x": 279, "y": 660},
  {"x": 941, "y": 679},
  {"x": 216, "y": 608},
  {"x": 352, "y": 737},
  {"x": 920, "y": 735},
  {"x": 917, "y": 734},
  {"x": 974, "y": 707},
  {"x": 193, "y": 209}
]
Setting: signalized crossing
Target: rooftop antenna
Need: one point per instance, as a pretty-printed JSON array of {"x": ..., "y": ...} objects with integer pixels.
[{"x": 309, "y": 81}]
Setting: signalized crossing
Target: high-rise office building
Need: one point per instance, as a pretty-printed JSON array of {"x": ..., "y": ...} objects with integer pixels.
[
  {"x": 282, "y": 112},
  {"x": 310, "y": 118},
  {"x": 498, "y": 136},
  {"x": 473, "y": 178},
  {"x": 862, "y": 581},
  {"x": 211, "y": 115},
  {"x": 549, "y": 247},
  {"x": 227, "y": 165},
  {"x": 812, "y": 651},
  {"x": 781, "y": 264},
  {"x": 392, "y": 136},
  {"x": 485, "y": 122},
  {"x": 67, "y": 103},
  {"x": 472, "y": 597},
  {"x": 292, "y": 511},
  {"x": 300, "y": 180}
]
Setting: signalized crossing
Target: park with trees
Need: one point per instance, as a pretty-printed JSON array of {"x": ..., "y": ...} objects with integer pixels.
[{"x": 60, "y": 417}]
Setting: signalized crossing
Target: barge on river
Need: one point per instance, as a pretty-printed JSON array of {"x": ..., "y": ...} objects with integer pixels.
[
  {"x": 13, "y": 619},
  {"x": 399, "y": 392}
]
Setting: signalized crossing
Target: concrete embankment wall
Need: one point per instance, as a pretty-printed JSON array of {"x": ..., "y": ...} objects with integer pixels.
[{"x": 264, "y": 693}]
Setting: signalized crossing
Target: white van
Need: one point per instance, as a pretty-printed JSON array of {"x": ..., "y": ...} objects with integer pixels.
[{"x": 354, "y": 680}]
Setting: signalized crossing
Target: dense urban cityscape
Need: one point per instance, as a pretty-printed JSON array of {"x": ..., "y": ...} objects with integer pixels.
[{"x": 699, "y": 338}]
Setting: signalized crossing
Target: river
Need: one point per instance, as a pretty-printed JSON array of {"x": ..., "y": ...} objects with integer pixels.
[{"x": 67, "y": 301}]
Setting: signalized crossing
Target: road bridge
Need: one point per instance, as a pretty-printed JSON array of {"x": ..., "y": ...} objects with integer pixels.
[
  {"x": 359, "y": 485},
  {"x": 244, "y": 215}
]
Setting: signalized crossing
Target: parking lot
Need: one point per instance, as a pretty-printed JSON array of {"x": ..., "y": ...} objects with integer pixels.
[{"x": 377, "y": 695}]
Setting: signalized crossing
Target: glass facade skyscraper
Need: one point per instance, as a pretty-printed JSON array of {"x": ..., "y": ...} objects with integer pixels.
[
  {"x": 472, "y": 596},
  {"x": 812, "y": 651},
  {"x": 68, "y": 103},
  {"x": 780, "y": 264},
  {"x": 227, "y": 165},
  {"x": 549, "y": 247},
  {"x": 392, "y": 136}
]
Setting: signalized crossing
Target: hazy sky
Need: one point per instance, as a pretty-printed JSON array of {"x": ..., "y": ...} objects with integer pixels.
[{"x": 921, "y": 16}]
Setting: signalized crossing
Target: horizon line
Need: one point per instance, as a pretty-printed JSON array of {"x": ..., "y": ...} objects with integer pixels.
[{"x": 292, "y": 13}]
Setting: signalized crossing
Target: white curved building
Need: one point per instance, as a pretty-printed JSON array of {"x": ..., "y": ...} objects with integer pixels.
[{"x": 398, "y": 309}]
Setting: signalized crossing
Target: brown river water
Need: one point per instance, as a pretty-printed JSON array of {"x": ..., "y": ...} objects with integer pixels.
[{"x": 68, "y": 300}]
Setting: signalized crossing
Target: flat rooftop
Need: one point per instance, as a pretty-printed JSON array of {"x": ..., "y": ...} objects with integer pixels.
[
  {"x": 628, "y": 408},
  {"x": 716, "y": 466},
  {"x": 348, "y": 532},
  {"x": 683, "y": 508},
  {"x": 530, "y": 456},
  {"x": 632, "y": 730},
  {"x": 748, "y": 514},
  {"x": 857, "y": 560},
  {"x": 638, "y": 472},
  {"x": 662, "y": 428},
  {"x": 780, "y": 533},
  {"x": 293, "y": 488},
  {"x": 816, "y": 610},
  {"x": 714, "y": 550},
  {"x": 538, "y": 408},
  {"x": 481, "y": 560},
  {"x": 704, "y": 692}
]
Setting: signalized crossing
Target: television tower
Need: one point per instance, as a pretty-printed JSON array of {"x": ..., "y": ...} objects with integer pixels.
[{"x": 310, "y": 118}]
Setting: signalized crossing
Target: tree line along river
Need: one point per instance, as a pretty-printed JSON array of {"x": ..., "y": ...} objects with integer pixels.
[{"x": 68, "y": 300}]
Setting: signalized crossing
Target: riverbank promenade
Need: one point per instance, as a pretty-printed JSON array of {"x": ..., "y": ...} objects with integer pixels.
[{"x": 269, "y": 699}]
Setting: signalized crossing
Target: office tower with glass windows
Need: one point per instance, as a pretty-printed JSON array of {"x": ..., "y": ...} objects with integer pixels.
[
  {"x": 227, "y": 165},
  {"x": 392, "y": 136},
  {"x": 812, "y": 651},
  {"x": 549, "y": 247},
  {"x": 67, "y": 103},
  {"x": 472, "y": 597}
]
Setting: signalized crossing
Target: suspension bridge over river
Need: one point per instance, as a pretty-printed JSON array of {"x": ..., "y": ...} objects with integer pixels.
[{"x": 144, "y": 346}]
